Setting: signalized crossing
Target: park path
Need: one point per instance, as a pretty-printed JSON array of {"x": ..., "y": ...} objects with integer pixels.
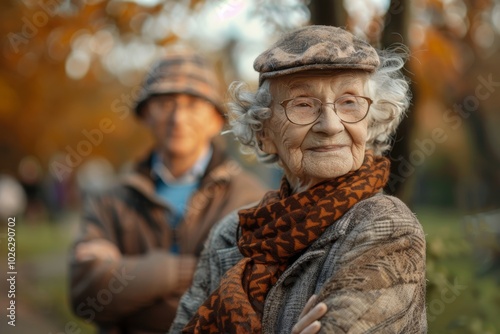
[
  {"x": 30, "y": 318},
  {"x": 37, "y": 310}
]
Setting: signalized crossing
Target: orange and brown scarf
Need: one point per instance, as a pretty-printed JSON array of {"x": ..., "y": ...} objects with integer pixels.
[{"x": 275, "y": 233}]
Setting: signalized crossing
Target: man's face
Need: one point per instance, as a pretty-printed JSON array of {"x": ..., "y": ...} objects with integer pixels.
[{"x": 182, "y": 125}]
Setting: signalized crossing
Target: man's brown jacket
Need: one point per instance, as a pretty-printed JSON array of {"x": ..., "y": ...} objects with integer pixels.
[{"x": 140, "y": 292}]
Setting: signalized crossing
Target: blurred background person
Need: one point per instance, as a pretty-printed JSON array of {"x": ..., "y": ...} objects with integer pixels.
[
  {"x": 31, "y": 177},
  {"x": 139, "y": 242},
  {"x": 12, "y": 197}
]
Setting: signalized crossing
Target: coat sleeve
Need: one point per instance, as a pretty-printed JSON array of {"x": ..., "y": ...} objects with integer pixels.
[
  {"x": 378, "y": 281},
  {"x": 209, "y": 270},
  {"x": 109, "y": 291}
]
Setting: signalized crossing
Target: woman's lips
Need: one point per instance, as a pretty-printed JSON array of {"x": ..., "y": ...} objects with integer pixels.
[{"x": 326, "y": 148}]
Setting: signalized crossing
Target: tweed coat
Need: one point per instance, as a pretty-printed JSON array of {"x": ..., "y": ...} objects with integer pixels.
[
  {"x": 132, "y": 295},
  {"x": 368, "y": 267}
]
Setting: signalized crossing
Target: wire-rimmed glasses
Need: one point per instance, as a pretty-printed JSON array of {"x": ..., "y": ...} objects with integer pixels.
[{"x": 305, "y": 110}]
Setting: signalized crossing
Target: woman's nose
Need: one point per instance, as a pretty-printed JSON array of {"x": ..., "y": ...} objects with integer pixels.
[{"x": 328, "y": 121}]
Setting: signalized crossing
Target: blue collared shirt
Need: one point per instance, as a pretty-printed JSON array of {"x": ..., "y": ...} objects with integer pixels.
[{"x": 177, "y": 191}]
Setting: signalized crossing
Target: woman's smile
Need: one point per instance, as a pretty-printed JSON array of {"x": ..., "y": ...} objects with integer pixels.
[{"x": 326, "y": 148}]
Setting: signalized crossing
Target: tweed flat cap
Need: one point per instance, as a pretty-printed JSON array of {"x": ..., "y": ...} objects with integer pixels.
[
  {"x": 185, "y": 72},
  {"x": 316, "y": 48}
]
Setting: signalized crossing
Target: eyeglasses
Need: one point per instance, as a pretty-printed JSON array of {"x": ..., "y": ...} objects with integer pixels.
[
  {"x": 306, "y": 110},
  {"x": 163, "y": 105}
]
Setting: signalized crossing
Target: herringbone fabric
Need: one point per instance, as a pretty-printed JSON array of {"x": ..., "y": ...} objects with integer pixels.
[{"x": 274, "y": 233}]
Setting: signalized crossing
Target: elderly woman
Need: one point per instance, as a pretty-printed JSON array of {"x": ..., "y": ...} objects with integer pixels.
[{"x": 325, "y": 110}]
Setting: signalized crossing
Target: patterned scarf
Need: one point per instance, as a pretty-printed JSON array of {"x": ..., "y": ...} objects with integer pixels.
[{"x": 274, "y": 234}]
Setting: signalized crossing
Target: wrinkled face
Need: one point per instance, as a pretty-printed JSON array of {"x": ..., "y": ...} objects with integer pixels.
[
  {"x": 182, "y": 125},
  {"x": 325, "y": 149}
]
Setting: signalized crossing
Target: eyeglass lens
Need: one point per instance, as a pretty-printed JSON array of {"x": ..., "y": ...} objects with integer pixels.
[{"x": 305, "y": 110}]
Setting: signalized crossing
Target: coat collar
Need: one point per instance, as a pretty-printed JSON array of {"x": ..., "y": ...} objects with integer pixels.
[{"x": 141, "y": 180}]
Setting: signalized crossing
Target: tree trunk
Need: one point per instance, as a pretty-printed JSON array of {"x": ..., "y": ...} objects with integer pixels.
[
  {"x": 396, "y": 23},
  {"x": 328, "y": 12},
  {"x": 396, "y": 31}
]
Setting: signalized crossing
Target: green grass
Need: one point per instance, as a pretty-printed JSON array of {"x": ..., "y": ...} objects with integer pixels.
[
  {"x": 56, "y": 299},
  {"x": 35, "y": 239},
  {"x": 451, "y": 258}
]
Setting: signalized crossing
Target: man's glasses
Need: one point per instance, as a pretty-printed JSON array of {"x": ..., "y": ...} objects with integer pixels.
[{"x": 306, "y": 110}]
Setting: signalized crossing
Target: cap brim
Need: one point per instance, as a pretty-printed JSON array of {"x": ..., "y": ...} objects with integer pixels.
[
  {"x": 327, "y": 67},
  {"x": 173, "y": 88}
]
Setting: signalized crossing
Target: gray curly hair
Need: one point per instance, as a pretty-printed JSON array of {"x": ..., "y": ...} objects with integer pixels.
[{"x": 387, "y": 87}]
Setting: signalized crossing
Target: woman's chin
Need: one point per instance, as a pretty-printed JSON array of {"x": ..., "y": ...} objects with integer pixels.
[{"x": 327, "y": 170}]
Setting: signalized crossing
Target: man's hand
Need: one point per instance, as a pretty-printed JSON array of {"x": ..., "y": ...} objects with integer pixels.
[
  {"x": 100, "y": 249},
  {"x": 181, "y": 271},
  {"x": 309, "y": 317}
]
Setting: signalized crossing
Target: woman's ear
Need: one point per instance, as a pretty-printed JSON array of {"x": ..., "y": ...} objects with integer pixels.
[{"x": 265, "y": 142}]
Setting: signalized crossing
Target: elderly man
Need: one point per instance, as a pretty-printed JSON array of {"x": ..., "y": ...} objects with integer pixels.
[{"x": 139, "y": 242}]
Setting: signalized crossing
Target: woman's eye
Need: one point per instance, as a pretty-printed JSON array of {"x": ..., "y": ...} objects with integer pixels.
[
  {"x": 347, "y": 102},
  {"x": 302, "y": 103}
]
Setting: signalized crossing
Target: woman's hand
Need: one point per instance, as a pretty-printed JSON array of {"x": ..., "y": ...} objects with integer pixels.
[{"x": 309, "y": 317}]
